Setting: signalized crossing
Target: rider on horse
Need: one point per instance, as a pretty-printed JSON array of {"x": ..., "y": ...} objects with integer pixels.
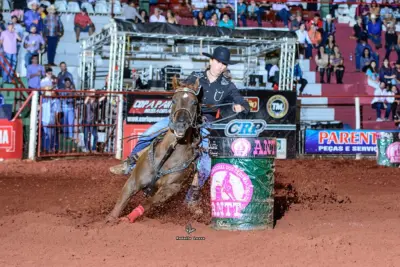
[{"x": 217, "y": 89}]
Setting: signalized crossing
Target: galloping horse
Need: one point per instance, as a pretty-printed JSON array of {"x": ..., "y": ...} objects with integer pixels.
[{"x": 162, "y": 174}]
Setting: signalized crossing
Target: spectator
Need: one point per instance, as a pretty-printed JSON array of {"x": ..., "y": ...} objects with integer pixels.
[
  {"x": 336, "y": 61},
  {"x": 130, "y": 13},
  {"x": 330, "y": 45},
  {"x": 373, "y": 74},
  {"x": 241, "y": 11},
  {"x": 63, "y": 75},
  {"x": 83, "y": 23},
  {"x": 283, "y": 12},
  {"x": 90, "y": 118},
  {"x": 390, "y": 39},
  {"x": 210, "y": 9},
  {"x": 295, "y": 25},
  {"x": 374, "y": 31},
  {"x": 374, "y": 9},
  {"x": 171, "y": 19},
  {"x": 322, "y": 61},
  {"x": 226, "y": 22},
  {"x": 362, "y": 11},
  {"x": 273, "y": 75},
  {"x": 213, "y": 21},
  {"x": 304, "y": 41},
  {"x": 318, "y": 22},
  {"x": 397, "y": 72},
  {"x": 386, "y": 73},
  {"x": 391, "y": 102},
  {"x": 197, "y": 6},
  {"x": 157, "y": 17},
  {"x": 252, "y": 10},
  {"x": 389, "y": 19},
  {"x": 314, "y": 35},
  {"x": 298, "y": 77},
  {"x": 360, "y": 30},
  {"x": 8, "y": 40},
  {"x": 264, "y": 8},
  {"x": 199, "y": 20},
  {"x": 379, "y": 100},
  {"x": 144, "y": 16},
  {"x": 360, "y": 50},
  {"x": 2, "y": 23},
  {"x": 53, "y": 31},
  {"x": 328, "y": 28},
  {"x": 32, "y": 16},
  {"x": 34, "y": 73},
  {"x": 68, "y": 110},
  {"x": 33, "y": 44},
  {"x": 366, "y": 60}
]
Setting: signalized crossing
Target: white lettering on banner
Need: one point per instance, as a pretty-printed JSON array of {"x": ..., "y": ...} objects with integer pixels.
[
  {"x": 144, "y": 119},
  {"x": 7, "y": 138},
  {"x": 141, "y": 106},
  {"x": 330, "y": 148}
]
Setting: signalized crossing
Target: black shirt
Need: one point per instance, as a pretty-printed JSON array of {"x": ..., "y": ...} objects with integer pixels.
[{"x": 220, "y": 91}]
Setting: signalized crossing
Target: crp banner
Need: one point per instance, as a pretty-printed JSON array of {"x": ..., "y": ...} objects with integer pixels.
[
  {"x": 341, "y": 141},
  {"x": 131, "y": 135},
  {"x": 11, "y": 139}
]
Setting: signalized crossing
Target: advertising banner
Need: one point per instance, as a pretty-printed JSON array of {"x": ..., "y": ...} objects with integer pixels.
[
  {"x": 11, "y": 139},
  {"x": 242, "y": 147},
  {"x": 142, "y": 109},
  {"x": 341, "y": 141}
]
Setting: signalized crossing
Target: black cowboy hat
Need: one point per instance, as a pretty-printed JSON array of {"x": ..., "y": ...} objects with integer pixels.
[{"x": 221, "y": 54}]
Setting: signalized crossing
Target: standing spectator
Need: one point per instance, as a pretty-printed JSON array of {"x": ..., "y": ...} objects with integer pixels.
[
  {"x": 171, "y": 19},
  {"x": 68, "y": 110},
  {"x": 379, "y": 100},
  {"x": 374, "y": 31},
  {"x": 304, "y": 41},
  {"x": 226, "y": 22},
  {"x": 8, "y": 39},
  {"x": 32, "y": 16},
  {"x": 63, "y": 75},
  {"x": 199, "y": 20},
  {"x": 298, "y": 77},
  {"x": 53, "y": 31},
  {"x": 83, "y": 23},
  {"x": 33, "y": 44},
  {"x": 336, "y": 61},
  {"x": 90, "y": 118},
  {"x": 130, "y": 12},
  {"x": 35, "y": 72},
  {"x": 157, "y": 17},
  {"x": 390, "y": 39},
  {"x": 213, "y": 21},
  {"x": 322, "y": 61},
  {"x": 362, "y": 11},
  {"x": 283, "y": 12},
  {"x": 19, "y": 30},
  {"x": 241, "y": 12},
  {"x": 328, "y": 28}
]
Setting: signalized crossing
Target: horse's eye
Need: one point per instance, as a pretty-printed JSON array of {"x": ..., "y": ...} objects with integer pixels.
[{"x": 194, "y": 102}]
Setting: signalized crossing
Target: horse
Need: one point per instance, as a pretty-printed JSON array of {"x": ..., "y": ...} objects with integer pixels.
[{"x": 160, "y": 173}]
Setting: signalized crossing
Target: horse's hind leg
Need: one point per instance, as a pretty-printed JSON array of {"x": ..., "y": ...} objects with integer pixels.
[
  {"x": 163, "y": 194},
  {"x": 130, "y": 188}
]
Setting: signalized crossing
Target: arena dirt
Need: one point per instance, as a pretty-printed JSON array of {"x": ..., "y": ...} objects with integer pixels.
[{"x": 329, "y": 213}]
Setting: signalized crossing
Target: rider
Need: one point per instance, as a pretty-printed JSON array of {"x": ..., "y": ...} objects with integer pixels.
[{"x": 217, "y": 89}]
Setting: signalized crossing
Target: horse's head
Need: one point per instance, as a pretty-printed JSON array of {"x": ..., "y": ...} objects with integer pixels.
[{"x": 185, "y": 107}]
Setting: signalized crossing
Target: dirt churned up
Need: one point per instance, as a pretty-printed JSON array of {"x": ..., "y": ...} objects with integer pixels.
[{"x": 328, "y": 213}]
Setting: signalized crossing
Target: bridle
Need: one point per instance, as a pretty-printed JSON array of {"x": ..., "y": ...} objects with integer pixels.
[{"x": 193, "y": 117}]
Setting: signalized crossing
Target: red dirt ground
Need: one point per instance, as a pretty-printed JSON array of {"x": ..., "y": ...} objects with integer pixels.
[{"x": 342, "y": 213}]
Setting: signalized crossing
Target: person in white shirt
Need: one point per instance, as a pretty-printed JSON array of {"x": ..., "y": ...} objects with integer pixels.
[
  {"x": 130, "y": 13},
  {"x": 304, "y": 41},
  {"x": 271, "y": 74},
  {"x": 157, "y": 17},
  {"x": 283, "y": 12},
  {"x": 378, "y": 102}
]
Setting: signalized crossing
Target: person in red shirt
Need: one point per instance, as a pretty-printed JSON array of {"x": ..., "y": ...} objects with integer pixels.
[{"x": 83, "y": 23}]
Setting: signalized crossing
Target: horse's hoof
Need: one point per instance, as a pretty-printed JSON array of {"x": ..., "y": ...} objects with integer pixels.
[
  {"x": 111, "y": 220},
  {"x": 194, "y": 207}
]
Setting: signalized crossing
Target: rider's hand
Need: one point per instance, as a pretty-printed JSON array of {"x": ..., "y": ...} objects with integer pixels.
[{"x": 238, "y": 108}]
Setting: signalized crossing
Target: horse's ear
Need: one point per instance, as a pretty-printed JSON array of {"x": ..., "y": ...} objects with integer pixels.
[
  {"x": 197, "y": 84},
  {"x": 175, "y": 83}
]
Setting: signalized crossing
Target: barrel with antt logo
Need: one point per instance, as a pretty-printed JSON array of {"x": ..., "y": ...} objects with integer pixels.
[
  {"x": 388, "y": 149},
  {"x": 242, "y": 183}
]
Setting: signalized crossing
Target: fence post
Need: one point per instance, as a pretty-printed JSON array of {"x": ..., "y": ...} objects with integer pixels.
[
  {"x": 120, "y": 122},
  {"x": 33, "y": 125},
  {"x": 358, "y": 119}
]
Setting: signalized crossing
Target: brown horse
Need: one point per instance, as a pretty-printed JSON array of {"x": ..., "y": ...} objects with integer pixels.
[{"x": 182, "y": 138}]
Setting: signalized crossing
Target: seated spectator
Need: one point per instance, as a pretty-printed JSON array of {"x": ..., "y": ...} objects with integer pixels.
[
  {"x": 34, "y": 73},
  {"x": 252, "y": 10},
  {"x": 330, "y": 45},
  {"x": 171, "y": 19},
  {"x": 264, "y": 8},
  {"x": 390, "y": 39},
  {"x": 304, "y": 41},
  {"x": 389, "y": 19},
  {"x": 52, "y": 32},
  {"x": 386, "y": 73},
  {"x": 273, "y": 75},
  {"x": 366, "y": 59},
  {"x": 241, "y": 12},
  {"x": 362, "y": 11},
  {"x": 199, "y": 20},
  {"x": 385, "y": 10},
  {"x": 83, "y": 23},
  {"x": 282, "y": 12},
  {"x": 32, "y": 16},
  {"x": 197, "y": 6},
  {"x": 298, "y": 77},
  {"x": 360, "y": 50},
  {"x": 318, "y": 22},
  {"x": 374, "y": 9},
  {"x": 360, "y": 29},
  {"x": 157, "y": 17},
  {"x": 373, "y": 74},
  {"x": 336, "y": 61},
  {"x": 210, "y": 10},
  {"x": 8, "y": 42},
  {"x": 391, "y": 102},
  {"x": 130, "y": 13},
  {"x": 315, "y": 36},
  {"x": 322, "y": 61},
  {"x": 295, "y": 23},
  {"x": 328, "y": 28},
  {"x": 374, "y": 31},
  {"x": 378, "y": 102},
  {"x": 143, "y": 15},
  {"x": 226, "y": 22},
  {"x": 213, "y": 21}
]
